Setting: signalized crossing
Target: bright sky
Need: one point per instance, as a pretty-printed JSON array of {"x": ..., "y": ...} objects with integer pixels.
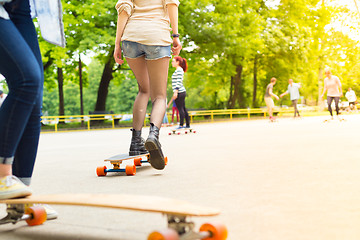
[{"x": 349, "y": 22}]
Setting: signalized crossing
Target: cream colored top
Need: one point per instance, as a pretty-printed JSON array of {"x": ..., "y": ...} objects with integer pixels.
[
  {"x": 333, "y": 86},
  {"x": 149, "y": 21}
]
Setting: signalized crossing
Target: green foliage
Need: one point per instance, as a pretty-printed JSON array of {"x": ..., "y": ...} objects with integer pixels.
[{"x": 221, "y": 41}]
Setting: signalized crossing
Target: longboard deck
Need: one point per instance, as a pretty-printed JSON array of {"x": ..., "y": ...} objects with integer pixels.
[
  {"x": 176, "y": 211},
  {"x": 125, "y": 156},
  {"x": 120, "y": 201}
]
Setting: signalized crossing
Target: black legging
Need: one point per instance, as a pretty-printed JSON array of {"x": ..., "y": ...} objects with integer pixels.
[
  {"x": 180, "y": 103},
  {"x": 329, "y": 101}
]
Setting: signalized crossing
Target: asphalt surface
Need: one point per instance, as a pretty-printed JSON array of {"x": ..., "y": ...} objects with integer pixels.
[{"x": 292, "y": 179}]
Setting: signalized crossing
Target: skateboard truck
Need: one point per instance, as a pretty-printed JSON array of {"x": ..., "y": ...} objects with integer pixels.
[
  {"x": 15, "y": 214},
  {"x": 130, "y": 170},
  {"x": 180, "y": 228},
  {"x": 34, "y": 215},
  {"x": 180, "y": 224}
]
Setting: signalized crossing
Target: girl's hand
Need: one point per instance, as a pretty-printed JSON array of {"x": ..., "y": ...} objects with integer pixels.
[
  {"x": 176, "y": 46},
  {"x": 175, "y": 95},
  {"x": 117, "y": 55}
]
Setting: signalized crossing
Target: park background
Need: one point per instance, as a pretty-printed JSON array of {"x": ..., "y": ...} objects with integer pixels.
[{"x": 233, "y": 49}]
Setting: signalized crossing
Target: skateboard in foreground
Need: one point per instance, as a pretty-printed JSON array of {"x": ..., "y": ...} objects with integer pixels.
[
  {"x": 117, "y": 160},
  {"x": 176, "y": 212},
  {"x": 178, "y": 131}
]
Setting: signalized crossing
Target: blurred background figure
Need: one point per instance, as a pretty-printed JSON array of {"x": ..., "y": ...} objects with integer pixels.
[
  {"x": 332, "y": 86},
  {"x": 293, "y": 89},
  {"x": 268, "y": 98},
  {"x": 351, "y": 97}
]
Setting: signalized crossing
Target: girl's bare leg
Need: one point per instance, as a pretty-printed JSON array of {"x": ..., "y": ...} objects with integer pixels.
[
  {"x": 158, "y": 74},
  {"x": 139, "y": 68}
]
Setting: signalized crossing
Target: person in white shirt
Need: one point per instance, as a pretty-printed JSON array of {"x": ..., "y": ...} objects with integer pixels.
[
  {"x": 2, "y": 97},
  {"x": 351, "y": 97},
  {"x": 293, "y": 89}
]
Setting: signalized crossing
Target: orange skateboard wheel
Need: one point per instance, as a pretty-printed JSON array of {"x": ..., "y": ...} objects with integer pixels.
[
  {"x": 137, "y": 161},
  {"x": 217, "y": 231},
  {"x": 130, "y": 170},
  {"x": 37, "y": 215},
  {"x": 100, "y": 171},
  {"x": 166, "y": 160},
  {"x": 168, "y": 234}
]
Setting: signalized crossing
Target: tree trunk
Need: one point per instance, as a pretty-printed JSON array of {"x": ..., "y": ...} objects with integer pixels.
[
  {"x": 231, "y": 98},
  {"x": 320, "y": 79},
  {"x": 60, "y": 77},
  {"x": 239, "y": 86},
  {"x": 255, "y": 81},
  {"x": 81, "y": 87},
  {"x": 104, "y": 84},
  {"x": 235, "y": 88},
  {"x": 48, "y": 64}
]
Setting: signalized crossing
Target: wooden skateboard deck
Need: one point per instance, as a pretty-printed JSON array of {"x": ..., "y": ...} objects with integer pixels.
[
  {"x": 178, "y": 131},
  {"x": 176, "y": 211},
  {"x": 117, "y": 160}
]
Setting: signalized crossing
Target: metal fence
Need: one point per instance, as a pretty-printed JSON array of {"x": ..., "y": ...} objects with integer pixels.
[{"x": 89, "y": 122}]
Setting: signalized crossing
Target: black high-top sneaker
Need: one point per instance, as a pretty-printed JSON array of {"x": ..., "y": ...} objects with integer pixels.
[
  {"x": 137, "y": 145},
  {"x": 153, "y": 145}
]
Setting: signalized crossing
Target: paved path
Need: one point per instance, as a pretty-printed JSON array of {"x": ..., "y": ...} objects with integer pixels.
[{"x": 294, "y": 179}]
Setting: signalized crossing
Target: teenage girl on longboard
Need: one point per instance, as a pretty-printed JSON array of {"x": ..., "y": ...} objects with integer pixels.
[{"x": 143, "y": 33}]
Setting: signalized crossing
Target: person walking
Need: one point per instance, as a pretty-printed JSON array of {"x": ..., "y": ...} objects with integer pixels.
[
  {"x": 332, "y": 86},
  {"x": 293, "y": 90},
  {"x": 143, "y": 34},
  {"x": 268, "y": 98},
  {"x": 179, "y": 90}
]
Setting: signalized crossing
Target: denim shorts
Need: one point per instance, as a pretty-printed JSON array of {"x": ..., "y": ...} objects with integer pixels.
[{"x": 135, "y": 50}]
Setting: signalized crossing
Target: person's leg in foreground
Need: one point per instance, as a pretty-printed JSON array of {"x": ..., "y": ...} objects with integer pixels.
[
  {"x": 21, "y": 65},
  {"x": 138, "y": 66}
]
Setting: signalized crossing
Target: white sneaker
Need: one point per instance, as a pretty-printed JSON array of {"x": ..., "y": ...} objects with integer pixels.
[
  {"x": 50, "y": 212},
  {"x": 12, "y": 187}
]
